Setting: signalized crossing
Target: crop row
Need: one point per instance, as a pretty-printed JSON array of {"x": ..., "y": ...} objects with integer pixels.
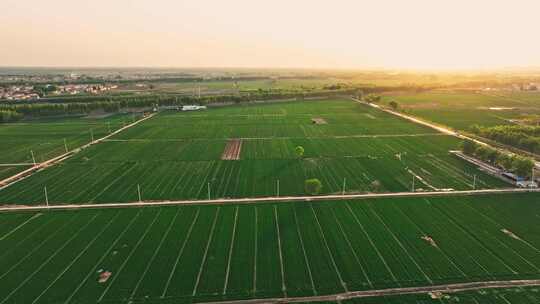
[
  {"x": 167, "y": 180},
  {"x": 264, "y": 250},
  {"x": 46, "y": 138},
  {"x": 343, "y": 118}
]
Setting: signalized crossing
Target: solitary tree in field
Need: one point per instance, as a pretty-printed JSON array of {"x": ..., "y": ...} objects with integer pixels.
[
  {"x": 375, "y": 186},
  {"x": 393, "y": 104},
  {"x": 313, "y": 186},
  {"x": 299, "y": 151},
  {"x": 469, "y": 147}
]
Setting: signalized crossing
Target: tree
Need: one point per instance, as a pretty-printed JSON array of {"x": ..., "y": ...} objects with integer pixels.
[
  {"x": 505, "y": 161},
  {"x": 313, "y": 186},
  {"x": 523, "y": 166},
  {"x": 9, "y": 116},
  {"x": 299, "y": 151},
  {"x": 375, "y": 186},
  {"x": 393, "y": 104},
  {"x": 469, "y": 147},
  {"x": 482, "y": 152},
  {"x": 372, "y": 98},
  {"x": 492, "y": 155}
]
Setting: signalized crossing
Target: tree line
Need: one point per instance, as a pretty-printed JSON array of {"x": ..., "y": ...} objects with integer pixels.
[
  {"x": 9, "y": 116},
  {"x": 117, "y": 103},
  {"x": 519, "y": 165},
  {"x": 523, "y": 137}
]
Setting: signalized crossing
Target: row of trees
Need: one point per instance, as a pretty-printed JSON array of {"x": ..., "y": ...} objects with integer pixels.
[
  {"x": 374, "y": 98},
  {"x": 521, "y": 166},
  {"x": 523, "y": 137},
  {"x": 9, "y": 116},
  {"x": 116, "y": 103}
]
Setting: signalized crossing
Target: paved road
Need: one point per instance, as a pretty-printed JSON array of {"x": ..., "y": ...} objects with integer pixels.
[
  {"x": 445, "y": 289},
  {"x": 272, "y": 199}
]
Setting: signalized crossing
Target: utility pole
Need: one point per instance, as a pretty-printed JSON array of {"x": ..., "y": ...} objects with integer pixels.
[
  {"x": 92, "y": 134},
  {"x": 65, "y": 145},
  {"x": 139, "y": 192},
  {"x": 278, "y": 188},
  {"x": 33, "y": 158},
  {"x": 474, "y": 182},
  {"x": 46, "y": 196},
  {"x": 208, "y": 191},
  {"x": 413, "y": 183},
  {"x": 344, "y": 183}
]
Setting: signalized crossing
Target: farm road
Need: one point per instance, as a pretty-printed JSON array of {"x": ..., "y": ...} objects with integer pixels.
[
  {"x": 272, "y": 199},
  {"x": 444, "y": 289},
  {"x": 277, "y": 137}
]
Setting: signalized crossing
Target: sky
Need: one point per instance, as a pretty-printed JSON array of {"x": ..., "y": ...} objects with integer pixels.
[{"x": 341, "y": 34}]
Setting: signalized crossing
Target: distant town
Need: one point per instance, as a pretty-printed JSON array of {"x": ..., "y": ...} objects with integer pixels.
[
  {"x": 16, "y": 92},
  {"x": 20, "y": 84}
]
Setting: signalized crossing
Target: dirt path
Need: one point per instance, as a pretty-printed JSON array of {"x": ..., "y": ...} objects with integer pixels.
[
  {"x": 277, "y": 137},
  {"x": 273, "y": 199},
  {"x": 445, "y": 289},
  {"x": 55, "y": 160}
]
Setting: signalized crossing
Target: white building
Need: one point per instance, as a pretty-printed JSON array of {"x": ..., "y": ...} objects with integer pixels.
[{"x": 193, "y": 108}]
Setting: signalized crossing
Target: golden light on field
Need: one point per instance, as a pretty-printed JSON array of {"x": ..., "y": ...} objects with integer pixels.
[{"x": 423, "y": 34}]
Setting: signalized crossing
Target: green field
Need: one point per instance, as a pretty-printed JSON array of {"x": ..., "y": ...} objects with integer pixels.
[
  {"x": 230, "y": 86},
  {"x": 178, "y": 156},
  {"x": 202, "y": 252},
  {"x": 46, "y": 137},
  {"x": 462, "y": 110}
]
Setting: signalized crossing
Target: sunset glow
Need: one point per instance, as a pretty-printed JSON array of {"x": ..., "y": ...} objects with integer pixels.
[{"x": 240, "y": 33}]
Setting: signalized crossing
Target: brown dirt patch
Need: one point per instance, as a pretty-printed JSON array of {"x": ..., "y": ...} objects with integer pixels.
[
  {"x": 510, "y": 234},
  {"x": 430, "y": 240},
  {"x": 436, "y": 295},
  {"x": 232, "y": 150},
  {"x": 104, "y": 276},
  {"x": 319, "y": 121}
]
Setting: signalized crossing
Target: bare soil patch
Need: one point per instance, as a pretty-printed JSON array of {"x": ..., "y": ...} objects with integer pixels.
[
  {"x": 104, "y": 276},
  {"x": 430, "y": 240},
  {"x": 436, "y": 295},
  {"x": 510, "y": 234},
  {"x": 232, "y": 150},
  {"x": 319, "y": 121},
  {"x": 369, "y": 116}
]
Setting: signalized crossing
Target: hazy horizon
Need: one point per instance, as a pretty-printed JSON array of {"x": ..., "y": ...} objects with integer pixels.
[{"x": 349, "y": 35}]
